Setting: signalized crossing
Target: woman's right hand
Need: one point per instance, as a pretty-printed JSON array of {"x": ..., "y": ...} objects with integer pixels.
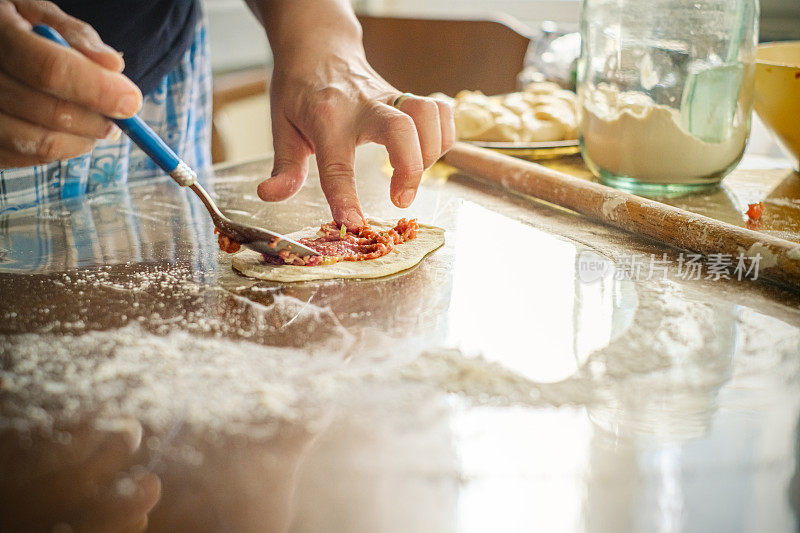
[{"x": 54, "y": 100}]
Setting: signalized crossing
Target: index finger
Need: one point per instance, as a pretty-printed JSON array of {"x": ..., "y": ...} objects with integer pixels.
[
  {"x": 62, "y": 72},
  {"x": 335, "y": 161}
]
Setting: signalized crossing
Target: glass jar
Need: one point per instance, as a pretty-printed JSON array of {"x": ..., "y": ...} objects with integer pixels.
[{"x": 665, "y": 91}]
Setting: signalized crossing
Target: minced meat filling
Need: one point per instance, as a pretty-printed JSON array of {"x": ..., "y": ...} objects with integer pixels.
[{"x": 336, "y": 244}]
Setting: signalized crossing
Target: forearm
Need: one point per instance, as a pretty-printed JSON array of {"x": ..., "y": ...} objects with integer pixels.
[
  {"x": 297, "y": 27},
  {"x": 326, "y": 99}
]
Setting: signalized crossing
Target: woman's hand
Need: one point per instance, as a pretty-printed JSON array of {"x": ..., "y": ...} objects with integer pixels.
[
  {"x": 326, "y": 100},
  {"x": 53, "y": 100}
]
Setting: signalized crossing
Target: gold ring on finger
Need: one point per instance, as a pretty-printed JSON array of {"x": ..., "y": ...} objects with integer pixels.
[{"x": 400, "y": 99}]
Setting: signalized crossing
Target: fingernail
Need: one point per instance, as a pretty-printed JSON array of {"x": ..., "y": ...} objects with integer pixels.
[
  {"x": 406, "y": 197},
  {"x": 127, "y": 106},
  {"x": 114, "y": 133},
  {"x": 353, "y": 219},
  {"x": 100, "y": 46},
  {"x": 103, "y": 48}
]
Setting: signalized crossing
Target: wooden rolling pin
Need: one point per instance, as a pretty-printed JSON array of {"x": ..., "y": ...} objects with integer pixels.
[{"x": 780, "y": 258}]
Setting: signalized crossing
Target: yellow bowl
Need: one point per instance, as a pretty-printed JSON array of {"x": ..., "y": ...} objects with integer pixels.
[{"x": 777, "y": 92}]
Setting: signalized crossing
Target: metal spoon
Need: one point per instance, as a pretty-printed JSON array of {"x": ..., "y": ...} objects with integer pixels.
[{"x": 261, "y": 240}]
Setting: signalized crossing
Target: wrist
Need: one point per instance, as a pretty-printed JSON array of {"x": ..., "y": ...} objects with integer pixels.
[
  {"x": 303, "y": 28},
  {"x": 318, "y": 44}
]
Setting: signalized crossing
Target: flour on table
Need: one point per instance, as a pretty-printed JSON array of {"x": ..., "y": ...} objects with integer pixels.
[
  {"x": 161, "y": 380},
  {"x": 671, "y": 361}
]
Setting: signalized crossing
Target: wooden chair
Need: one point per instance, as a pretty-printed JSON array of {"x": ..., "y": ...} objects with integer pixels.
[
  {"x": 421, "y": 56},
  {"x": 230, "y": 89}
]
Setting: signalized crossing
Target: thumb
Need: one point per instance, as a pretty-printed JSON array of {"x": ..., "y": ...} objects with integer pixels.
[
  {"x": 290, "y": 167},
  {"x": 77, "y": 33}
]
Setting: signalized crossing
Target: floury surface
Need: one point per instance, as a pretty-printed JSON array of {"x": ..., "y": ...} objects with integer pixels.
[{"x": 143, "y": 381}]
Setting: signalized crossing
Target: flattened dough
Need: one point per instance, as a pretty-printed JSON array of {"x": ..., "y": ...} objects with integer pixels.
[{"x": 402, "y": 257}]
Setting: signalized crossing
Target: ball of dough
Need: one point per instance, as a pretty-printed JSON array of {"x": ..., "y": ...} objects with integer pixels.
[
  {"x": 541, "y": 130},
  {"x": 542, "y": 112},
  {"x": 506, "y": 127},
  {"x": 473, "y": 97},
  {"x": 559, "y": 114},
  {"x": 567, "y": 96},
  {"x": 515, "y": 103},
  {"x": 541, "y": 87},
  {"x": 471, "y": 120}
]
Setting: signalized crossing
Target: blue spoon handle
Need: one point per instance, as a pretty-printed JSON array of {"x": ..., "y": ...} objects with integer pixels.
[{"x": 134, "y": 127}]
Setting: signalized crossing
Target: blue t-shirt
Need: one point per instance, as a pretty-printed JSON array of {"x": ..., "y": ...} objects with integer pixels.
[{"x": 152, "y": 34}]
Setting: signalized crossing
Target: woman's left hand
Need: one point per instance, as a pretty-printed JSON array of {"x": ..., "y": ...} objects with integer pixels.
[{"x": 327, "y": 100}]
